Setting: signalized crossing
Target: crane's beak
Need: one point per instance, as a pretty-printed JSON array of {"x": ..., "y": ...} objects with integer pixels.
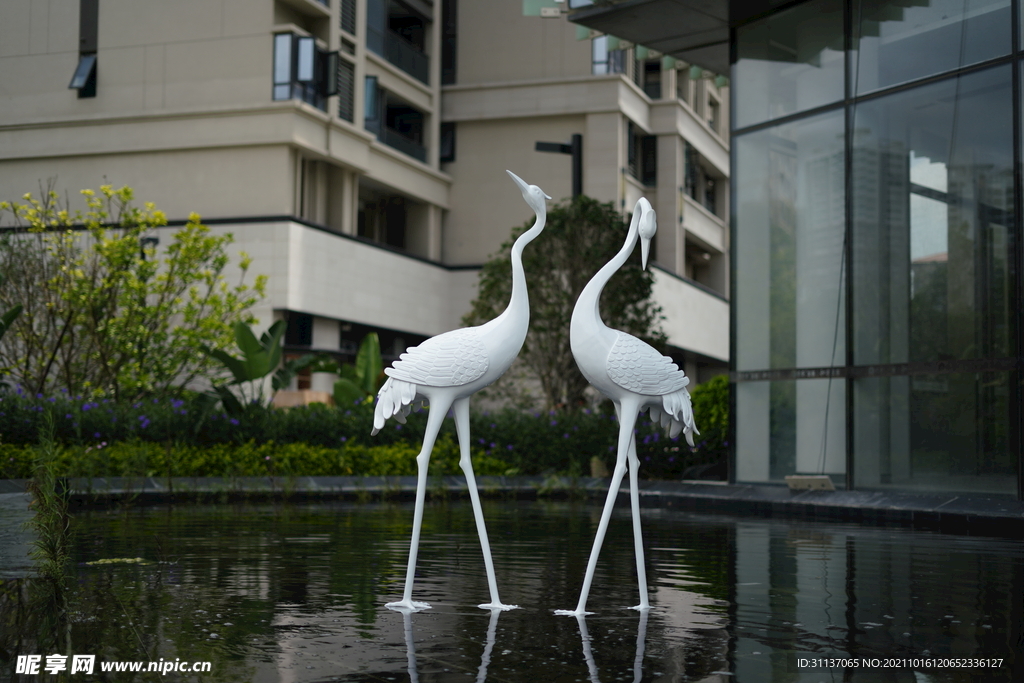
[
  {"x": 520, "y": 182},
  {"x": 645, "y": 248}
]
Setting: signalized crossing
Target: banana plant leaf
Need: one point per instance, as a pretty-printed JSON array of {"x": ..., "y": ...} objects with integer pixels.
[
  {"x": 7, "y": 318},
  {"x": 369, "y": 365}
]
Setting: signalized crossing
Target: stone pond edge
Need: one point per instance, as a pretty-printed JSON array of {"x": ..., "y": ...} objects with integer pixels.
[{"x": 974, "y": 514}]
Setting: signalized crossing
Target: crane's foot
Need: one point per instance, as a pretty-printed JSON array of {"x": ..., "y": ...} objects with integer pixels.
[
  {"x": 498, "y": 606},
  {"x": 572, "y": 613},
  {"x": 641, "y": 608},
  {"x": 408, "y": 606}
]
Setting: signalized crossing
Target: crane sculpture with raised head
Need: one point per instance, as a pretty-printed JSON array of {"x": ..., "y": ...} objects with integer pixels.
[
  {"x": 445, "y": 371},
  {"x": 635, "y": 377}
]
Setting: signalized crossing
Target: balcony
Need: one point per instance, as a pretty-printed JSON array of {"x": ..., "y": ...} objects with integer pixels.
[
  {"x": 397, "y": 32},
  {"x": 392, "y": 138},
  {"x": 406, "y": 57}
]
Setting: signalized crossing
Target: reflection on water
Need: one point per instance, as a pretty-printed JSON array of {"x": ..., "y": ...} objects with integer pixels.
[{"x": 297, "y": 593}]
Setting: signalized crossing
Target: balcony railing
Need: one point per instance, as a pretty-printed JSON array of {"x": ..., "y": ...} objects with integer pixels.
[
  {"x": 402, "y": 54},
  {"x": 393, "y": 138}
]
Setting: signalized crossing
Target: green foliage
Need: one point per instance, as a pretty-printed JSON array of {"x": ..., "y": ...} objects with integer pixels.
[
  {"x": 711, "y": 408},
  {"x": 104, "y": 313},
  {"x": 250, "y": 459},
  {"x": 507, "y": 442},
  {"x": 51, "y": 522},
  {"x": 363, "y": 379},
  {"x": 580, "y": 236},
  {"x": 259, "y": 358}
]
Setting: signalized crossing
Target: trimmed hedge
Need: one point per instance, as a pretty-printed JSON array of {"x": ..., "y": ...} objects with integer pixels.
[{"x": 183, "y": 437}]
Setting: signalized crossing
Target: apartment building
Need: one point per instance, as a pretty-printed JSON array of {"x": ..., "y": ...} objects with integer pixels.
[
  {"x": 356, "y": 148},
  {"x": 650, "y": 126}
]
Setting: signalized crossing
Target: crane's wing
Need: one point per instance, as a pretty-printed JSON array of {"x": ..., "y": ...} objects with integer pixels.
[
  {"x": 450, "y": 359},
  {"x": 637, "y": 367}
]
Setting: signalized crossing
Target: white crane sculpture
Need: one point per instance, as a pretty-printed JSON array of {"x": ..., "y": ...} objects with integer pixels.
[
  {"x": 635, "y": 377},
  {"x": 445, "y": 371}
]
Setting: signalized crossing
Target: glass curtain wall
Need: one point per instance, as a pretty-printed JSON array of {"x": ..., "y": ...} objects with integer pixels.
[{"x": 873, "y": 144}]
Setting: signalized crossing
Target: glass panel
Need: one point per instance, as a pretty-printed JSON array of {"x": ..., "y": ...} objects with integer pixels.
[
  {"x": 599, "y": 55},
  {"x": 934, "y": 432},
  {"x": 789, "y": 226},
  {"x": 282, "y": 60},
  {"x": 894, "y": 43},
  {"x": 790, "y": 62},
  {"x": 307, "y": 50},
  {"x": 932, "y": 213},
  {"x": 787, "y": 420},
  {"x": 86, "y": 63}
]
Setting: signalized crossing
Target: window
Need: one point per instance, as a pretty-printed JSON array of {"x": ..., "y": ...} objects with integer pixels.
[
  {"x": 303, "y": 71},
  {"x": 448, "y": 141},
  {"x": 84, "y": 79},
  {"x": 371, "y": 105},
  {"x": 299, "y": 330},
  {"x": 605, "y": 61},
  {"x": 642, "y": 155},
  {"x": 652, "y": 78},
  {"x": 713, "y": 114},
  {"x": 793, "y": 59}
]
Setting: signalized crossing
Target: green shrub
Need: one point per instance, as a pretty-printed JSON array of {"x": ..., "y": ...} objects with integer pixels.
[
  {"x": 147, "y": 459},
  {"x": 182, "y": 436}
]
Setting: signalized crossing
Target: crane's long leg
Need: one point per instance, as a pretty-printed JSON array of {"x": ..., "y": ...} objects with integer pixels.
[
  {"x": 438, "y": 411},
  {"x": 461, "y": 410},
  {"x": 410, "y": 647},
  {"x": 641, "y": 642},
  {"x": 627, "y": 418},
  {"x": 638, "y": 539}
]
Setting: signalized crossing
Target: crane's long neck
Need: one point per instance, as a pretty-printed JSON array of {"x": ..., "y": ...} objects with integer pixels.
[
  {"x": 520, "y": 299},
  {"x": 590, "y": 298}
]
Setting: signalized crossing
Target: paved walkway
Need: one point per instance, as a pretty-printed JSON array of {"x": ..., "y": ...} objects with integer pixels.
[{"x": 976, "y": 514}]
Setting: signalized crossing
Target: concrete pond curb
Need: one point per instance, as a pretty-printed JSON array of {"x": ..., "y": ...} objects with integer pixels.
[{"x": 974, "y": 514}]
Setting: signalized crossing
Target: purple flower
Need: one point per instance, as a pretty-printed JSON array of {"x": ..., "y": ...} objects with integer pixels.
[
  {"x": 493, "y": 445},
  {"x": 68, "y": 416},
  {"x": 565, "y": 436},
  {"x": 510, "y": 446},
  {"x": 344, "y": 439},
  {"x": 96, "y": 435},
  {"x": 554, "y": 422},
  {"x": 493, "y": 425},
  {"x": 53, "y": 400},
  {"x": 39, "y": 395},
  {"x": 86, "y": 406},
  {"x": 397, "y": 427},
  {"x": 233, "y": 421}
]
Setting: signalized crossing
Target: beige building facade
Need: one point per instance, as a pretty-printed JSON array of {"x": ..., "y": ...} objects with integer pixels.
[{"x": 356, "y": 148}]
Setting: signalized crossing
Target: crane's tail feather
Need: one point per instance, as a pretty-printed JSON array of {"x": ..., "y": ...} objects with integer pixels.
[
  {"x": 395, "y": 399},
  {"x": 676, "y": 415}
]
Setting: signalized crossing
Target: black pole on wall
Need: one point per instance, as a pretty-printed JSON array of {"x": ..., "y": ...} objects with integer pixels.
[{"x": 575, "y": 149}]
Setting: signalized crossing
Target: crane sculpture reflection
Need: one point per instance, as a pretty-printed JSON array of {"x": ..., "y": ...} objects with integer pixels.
[
  {"x": 636, "y": 378},
  {"x": 445, "y": 371}
]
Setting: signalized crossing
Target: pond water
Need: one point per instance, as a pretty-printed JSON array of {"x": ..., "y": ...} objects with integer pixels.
[{"x": 296, "y": 593}]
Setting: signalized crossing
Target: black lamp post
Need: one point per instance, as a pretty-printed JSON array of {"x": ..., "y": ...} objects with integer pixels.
[{"x": 575, "y": 148}]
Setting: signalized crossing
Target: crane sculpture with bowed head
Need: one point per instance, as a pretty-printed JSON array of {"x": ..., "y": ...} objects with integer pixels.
[
  {"x": 635, "y": 377},
  {"x": 445, "y": 371}
]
